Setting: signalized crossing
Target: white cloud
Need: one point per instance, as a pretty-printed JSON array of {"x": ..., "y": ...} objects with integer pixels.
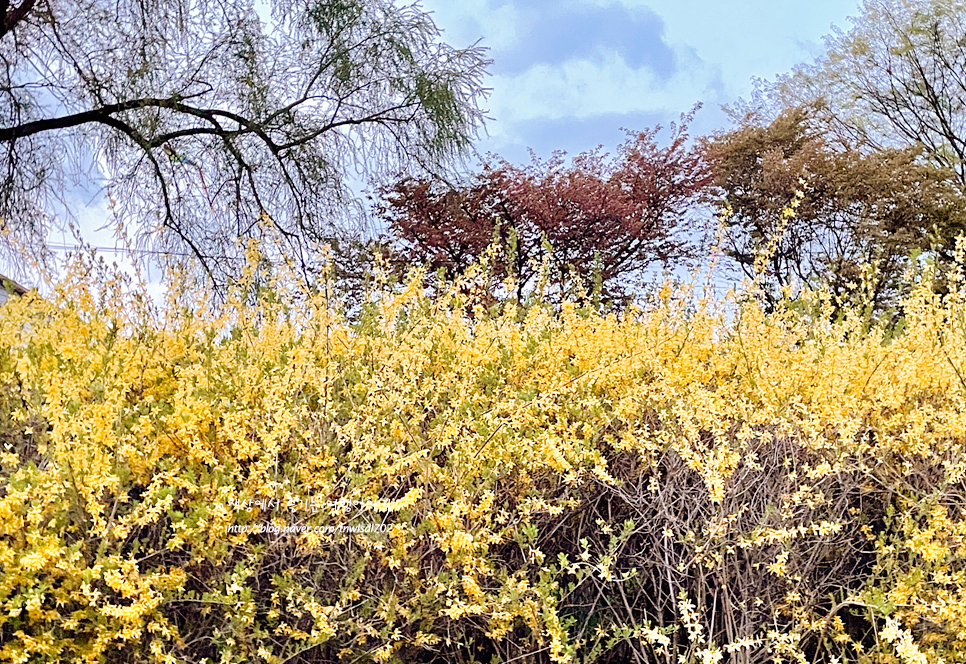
[
  {"x": 584, "y": 88},
  {"x": 467, "y": 21},
  {"x": 748, "y": 38},
  {"x": 724, "y": 44}
]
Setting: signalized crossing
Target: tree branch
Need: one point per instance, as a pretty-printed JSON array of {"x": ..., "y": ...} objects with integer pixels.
[
  {"x": 11, "y": 17},
  {"x": 97, "y": 115}
]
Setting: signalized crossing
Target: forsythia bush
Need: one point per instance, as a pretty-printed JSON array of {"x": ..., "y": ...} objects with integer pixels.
[{"x": 259, "y": 479}]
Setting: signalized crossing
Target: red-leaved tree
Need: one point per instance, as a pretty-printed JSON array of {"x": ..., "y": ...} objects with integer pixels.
[{"x": 609, "y": 218}]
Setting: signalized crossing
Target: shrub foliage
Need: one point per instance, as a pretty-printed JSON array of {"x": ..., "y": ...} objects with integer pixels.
[
  {"x": 547, "y": 484},
  {"x": 597, "y": 219}
]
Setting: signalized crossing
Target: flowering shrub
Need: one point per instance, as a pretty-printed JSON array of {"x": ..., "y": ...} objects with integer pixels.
[{"x": 258, "y": 479}]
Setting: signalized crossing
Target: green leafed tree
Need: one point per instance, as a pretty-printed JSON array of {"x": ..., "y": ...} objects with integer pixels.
[
  {"x": 209, "y": 123},
  {"x": 895, "y": 79}
]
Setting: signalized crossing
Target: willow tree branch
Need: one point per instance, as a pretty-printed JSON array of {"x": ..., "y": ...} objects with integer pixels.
[{"x": 11, "y": 17}]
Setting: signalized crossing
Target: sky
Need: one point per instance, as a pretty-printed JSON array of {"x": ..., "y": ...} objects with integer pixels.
[{"x": 568, "y": 74}]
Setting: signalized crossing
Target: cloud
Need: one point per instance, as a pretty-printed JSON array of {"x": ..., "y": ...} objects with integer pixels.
[
  {"x": 752, "y": 38},
  {"x": 567, "y": 74},
  {"x": 581, "y": 88},
  {"x": 576, "y": 60},
  {"x": 548, "y": 32}
]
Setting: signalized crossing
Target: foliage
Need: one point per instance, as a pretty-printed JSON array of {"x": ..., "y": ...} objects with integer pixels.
[
  {"x": 893, "y": 80},
  {"x": 609, "y": 219},
  {"x": 851, "y": 209},
  {"x": 208, "y": 126},
  {"x": 672, "y": 485}
]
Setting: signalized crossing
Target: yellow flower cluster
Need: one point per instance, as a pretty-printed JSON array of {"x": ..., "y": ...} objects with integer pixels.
[{"x": 255, "y": 477}]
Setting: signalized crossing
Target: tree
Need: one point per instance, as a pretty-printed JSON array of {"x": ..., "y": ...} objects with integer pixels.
[
  {"x": 614, "y": 217},
  {"x": 894, "y": 80},
  {"x": 210, "y": 127},
  {"x": 854, "y": 208}
]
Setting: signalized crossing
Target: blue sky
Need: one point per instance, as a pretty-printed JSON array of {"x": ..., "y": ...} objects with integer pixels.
[{"x": 568, "y": 74}]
